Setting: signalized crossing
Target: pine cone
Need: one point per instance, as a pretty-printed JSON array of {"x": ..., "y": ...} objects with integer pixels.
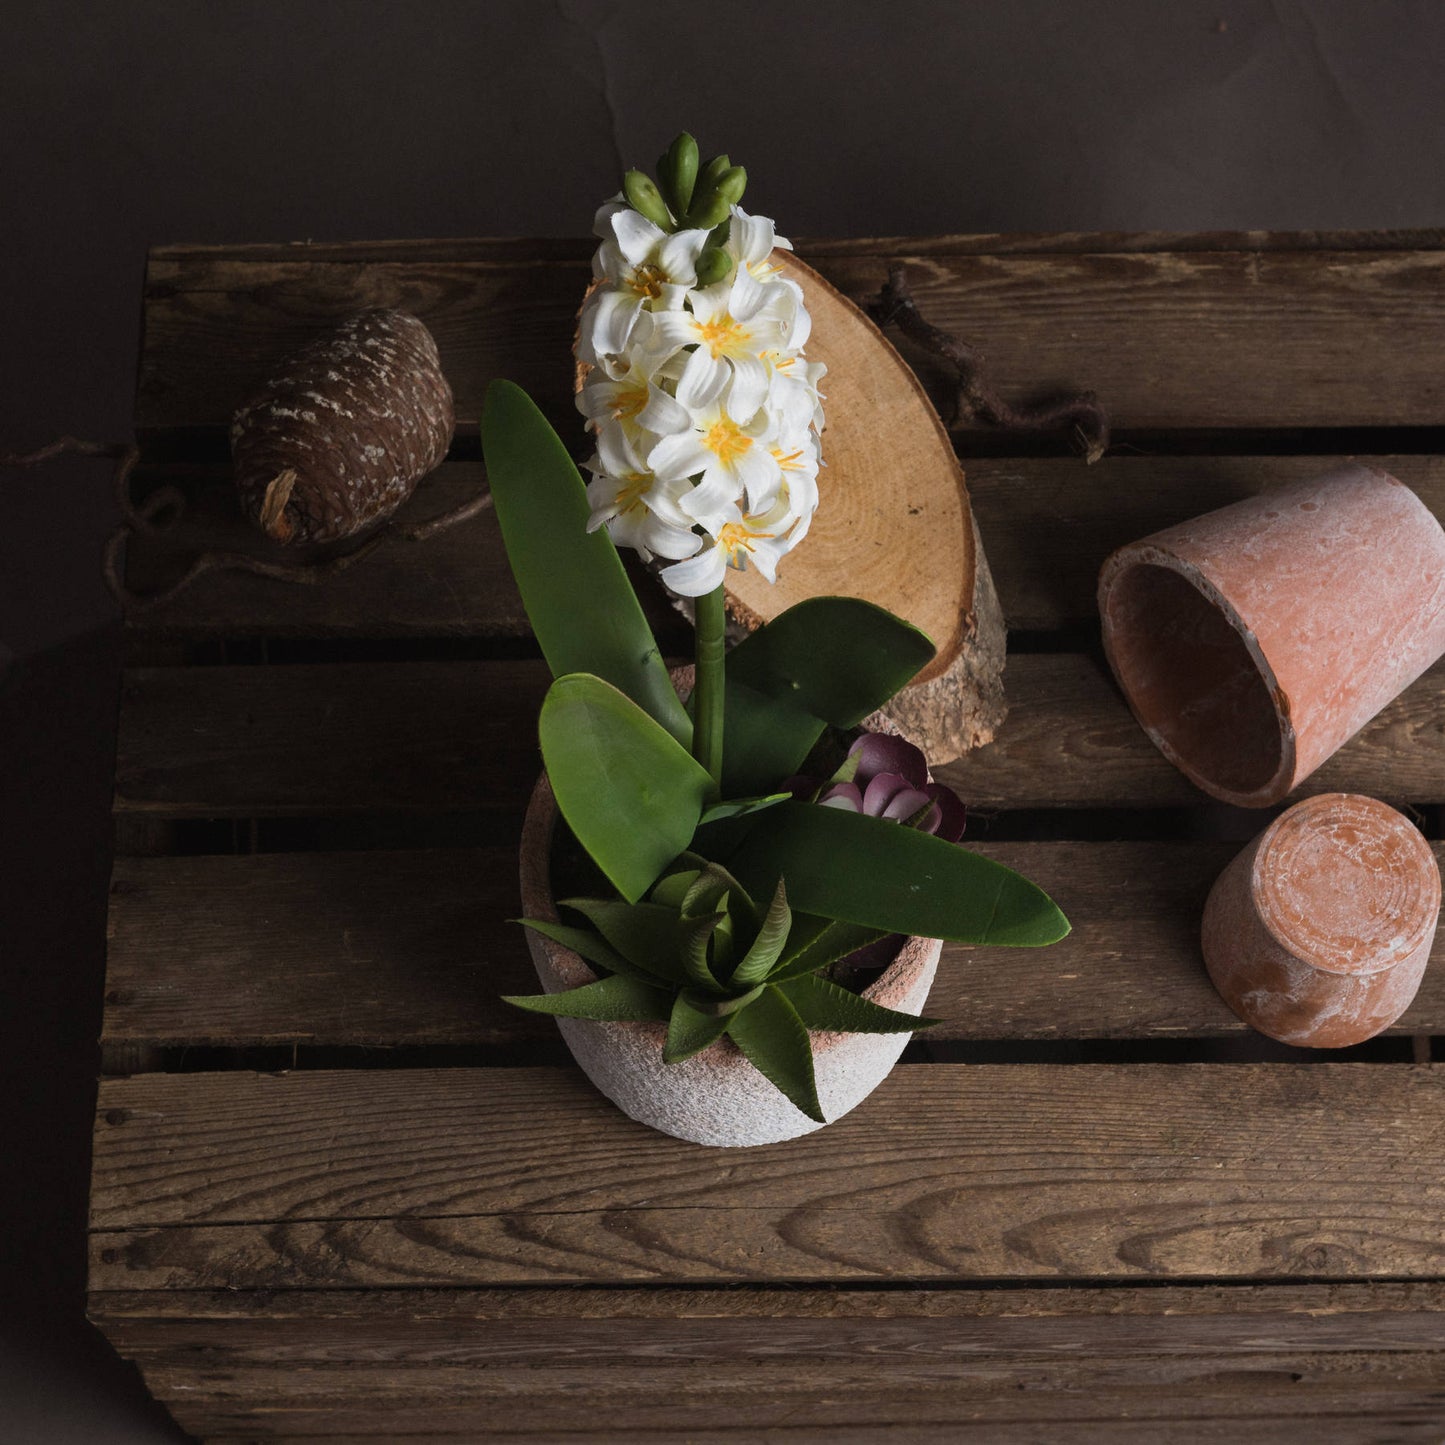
[{"x": 344, "y": 430}]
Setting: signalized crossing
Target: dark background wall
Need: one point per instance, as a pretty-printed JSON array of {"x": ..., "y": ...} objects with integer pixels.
[{"x": 147, "y": 121}]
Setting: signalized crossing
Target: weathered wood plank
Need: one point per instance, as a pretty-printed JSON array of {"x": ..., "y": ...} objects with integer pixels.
[
  {"x": 514, "y": 1176},
  {"x": 1183, "y": 338},
  {"x": 447, "y": 736},
  {"x": 1047, "y": 524},
  {"x": 407, "y": 948},
  {"x": 616, "y": 1327}
]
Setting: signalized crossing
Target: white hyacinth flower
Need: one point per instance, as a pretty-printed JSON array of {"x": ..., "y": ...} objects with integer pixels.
[
  {"x": 706, "y": 411},
  {"x": 638, "y": 510},
  {"x": 641, "y": 266}
]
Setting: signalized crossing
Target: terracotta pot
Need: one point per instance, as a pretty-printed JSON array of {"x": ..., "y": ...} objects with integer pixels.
[
  {"x": 1319, "y": 932},
  {"x": 1254, "y": 641},
  {"x": 716, "y": 1097}
]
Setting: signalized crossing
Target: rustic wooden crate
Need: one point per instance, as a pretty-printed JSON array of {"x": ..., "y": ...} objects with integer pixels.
[{"x": 341, "y": 1193}]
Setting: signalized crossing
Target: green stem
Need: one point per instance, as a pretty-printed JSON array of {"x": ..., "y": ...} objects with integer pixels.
[{"x": 707, "y": 713}]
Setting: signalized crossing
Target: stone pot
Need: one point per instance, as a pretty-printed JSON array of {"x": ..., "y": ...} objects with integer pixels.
[
  {"x": 716, "y": 1097},
  {"x": 1253, "y": 641},
  {"x": 1318, "y": 933}
]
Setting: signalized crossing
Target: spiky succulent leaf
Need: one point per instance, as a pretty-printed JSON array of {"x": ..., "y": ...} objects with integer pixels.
[
  {"x": 690, "y": 1030},
  {"x": 741, "y": 807},
  {"x": 767, "y": 947},
  {"x": 671, "y": 888},
  {"x": 645, "y": 934},
  {"x": 822, "y": 1004},
  {"x": 594, "y": 949},
  {"x": 775, "y": 1043},
  {"x": 614, "y": 1000},
  {"x": 814, "y": 943}
]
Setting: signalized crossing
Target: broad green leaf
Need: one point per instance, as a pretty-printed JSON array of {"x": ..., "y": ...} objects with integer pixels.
[
  {"x": 768, "y": 945},
  {"x": 645, "y": 934},
  {"x": 631, "y": 793},
  {"x": 586, "y": 944},
  {"x": 775, "y": 1043},
  {"x": 765, "y": 739},
  {"x": 874, "y": 873},
  {"x": 741, "y": 807},
  {"x": 822, "y": 1004},
  {"x": 615, "y": 999},
  {"x": 689, "y": 1031},
  {"x": 818, "y": 943},
  {"x": 577, "y": 595},
  {"x": 838, "y": 658}
]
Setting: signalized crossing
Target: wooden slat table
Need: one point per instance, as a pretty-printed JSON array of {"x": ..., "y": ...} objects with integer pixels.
[{"x": 342, "y": 1193}]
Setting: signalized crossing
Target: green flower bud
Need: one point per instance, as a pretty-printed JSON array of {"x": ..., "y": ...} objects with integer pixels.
[
  {"x": 712, "y": 266},
  {"x": 732, "y": 183},
  {"x": 708, "y": 210},
  {"x": 644, "y": 198},
  {"x": 711, "y": 171},
  {"x": 677, "y": 172}
]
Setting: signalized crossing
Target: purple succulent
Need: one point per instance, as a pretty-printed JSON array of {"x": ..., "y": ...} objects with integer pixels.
[{"x": 891, "y": 781}]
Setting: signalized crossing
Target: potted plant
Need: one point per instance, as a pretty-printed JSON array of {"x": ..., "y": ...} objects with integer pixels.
[{"x": 745, "y": 856}]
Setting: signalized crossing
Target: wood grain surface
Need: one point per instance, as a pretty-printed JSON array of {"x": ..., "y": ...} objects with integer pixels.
[
  {"x": 449, "y": 736},
  {"x": 525, "y": 1176},
  {"x": 1194, "y": 337},
  {"x": 1047, "y": 525},
  {"x": 381, "y": 948}
]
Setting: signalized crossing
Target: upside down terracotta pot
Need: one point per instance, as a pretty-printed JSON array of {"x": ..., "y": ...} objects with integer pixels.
[
  {"x": 1253, "y": 641},
  {"x": 716, "y": 1097},
  {"x": 1318, "y": 933}
]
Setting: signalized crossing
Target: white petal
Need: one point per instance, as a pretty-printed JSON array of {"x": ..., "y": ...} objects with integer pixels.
[
  {"x": 678, "y": 256},
  {"x": 714, "y": 499},
  {"x": 663, "y": 414},
  {"x": 636, "y": 235},
  {"x": 748, "y": 295},
  {"x": 671, "y": 542},
  {"x": 758, "y": 472},
  {"x": 702, "y": 380},
  {"x": 676, "y": 457},
  {"x": 711, "y": 301},
  {"x": 749, "y": 388},
  {"x": 698, "y": 576},
  {"x": 613, "y": 320},
  {"x": 602, "y": 221}
]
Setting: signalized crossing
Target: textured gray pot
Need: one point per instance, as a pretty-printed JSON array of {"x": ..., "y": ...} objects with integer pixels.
[{"x": 716, "y": 1097}]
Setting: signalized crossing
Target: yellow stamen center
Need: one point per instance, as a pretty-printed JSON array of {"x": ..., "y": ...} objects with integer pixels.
[
  {"x": 735, "y": 537},
  {"x": 790, "y": 462},
  {"x": 630, "y": 496},
  {"x": 722, "y": 335},
  {"x": 725, "y": 439},
  {"x": 630, "y": 403},
  {"x": 648, "y": 281}
]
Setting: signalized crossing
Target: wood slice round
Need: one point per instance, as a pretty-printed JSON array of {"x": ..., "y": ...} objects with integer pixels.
[{"x": 893, "y": 524}]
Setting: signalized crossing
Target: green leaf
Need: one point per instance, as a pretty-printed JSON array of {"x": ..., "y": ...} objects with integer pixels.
[
  {"x": 696, "y": 935},
  {"x": 577, "y": 596},
  {"x": 586, "y": 944},
  {"x": 838, "y": 658},
  {"x": 615, "y": 999},
  {"x": 765, "y": 739},
  {"x": 871, "y": 872},
  {"x": 768, "y": 945},
  {"x": 819, "y": 942},
  {"x": 631, "y": 793},
  {"x": 822, "y": 1004},
  {"x": 775, "y": 1043},
  {"x": 689, "y": 1031},
  {"x": 827, "y": 660},
  {"x": 741, "y": 807},
  {"x": 645, "y": 934},
  {"x": 672, "y": 888}
]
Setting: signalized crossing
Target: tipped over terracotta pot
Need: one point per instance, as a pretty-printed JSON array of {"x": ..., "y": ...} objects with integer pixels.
[
  {"x": 1252, "y": 642},
  {"x": 1318, "y": 933}
]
